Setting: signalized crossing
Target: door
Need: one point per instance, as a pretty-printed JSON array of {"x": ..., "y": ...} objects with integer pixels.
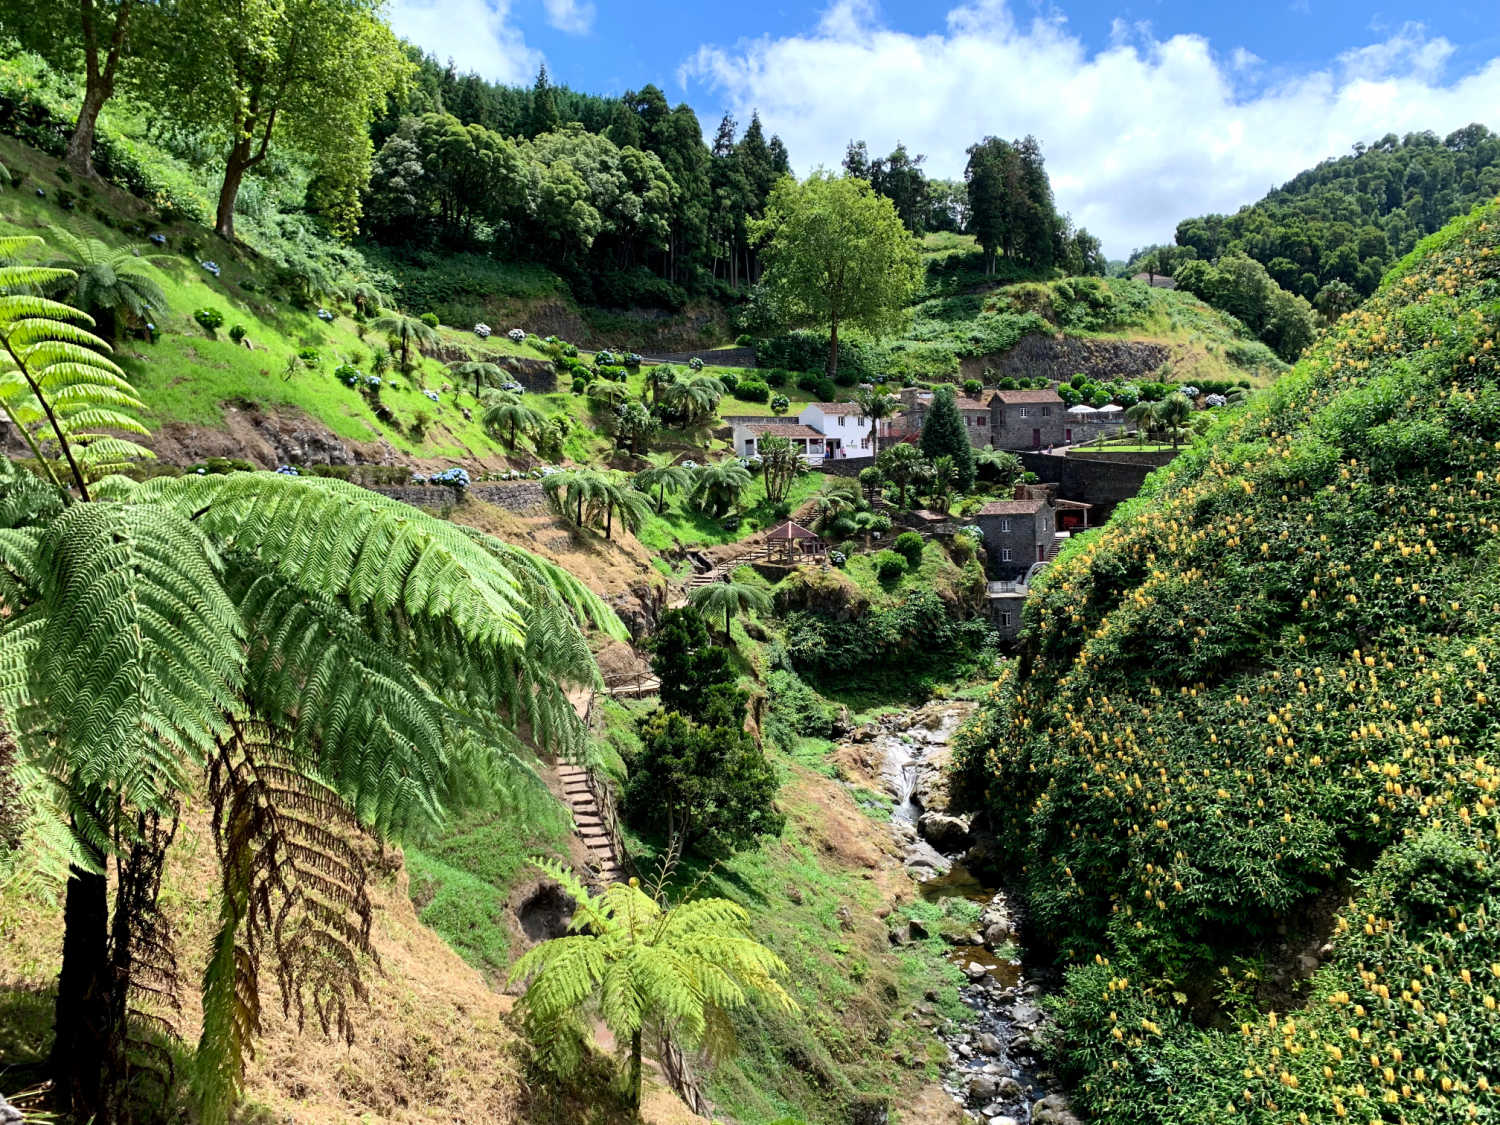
[
  {"x": 1041, "y": 552},
  {"x": 1036, "y": 439},
  {"x": 1068, "y": 436}
]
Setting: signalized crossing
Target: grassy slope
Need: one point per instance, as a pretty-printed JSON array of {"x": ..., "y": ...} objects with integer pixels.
[
  {"x": 1252, "y": 715},
  {"x": 959, "y": 309}
]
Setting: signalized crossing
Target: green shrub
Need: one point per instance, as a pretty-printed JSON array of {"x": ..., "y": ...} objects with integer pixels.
[
  {"x": 909, "y": 546},
  {"x": 430, "y": 319},
  {"x": 889, "y": 566},
  {"x": 237, "y": 333},
  {"x": 209, "y": 319},
  {"x": 751, "y": 390}
]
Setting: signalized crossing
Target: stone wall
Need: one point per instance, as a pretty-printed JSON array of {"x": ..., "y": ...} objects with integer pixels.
[
  {"x": 521, "y": 496},
  {"x": 722, "y": 357},
  {"x": 1100, "y": 483},
  {"x": 1154, "y": 460},
  {"x": 1062, "y": 357}
]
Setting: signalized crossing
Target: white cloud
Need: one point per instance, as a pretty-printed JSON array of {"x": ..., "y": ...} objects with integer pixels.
[
  {"x": 576, "y": 17},
  {"x": 1137, "y": 135},
  {"x": 476, "y": 34}
]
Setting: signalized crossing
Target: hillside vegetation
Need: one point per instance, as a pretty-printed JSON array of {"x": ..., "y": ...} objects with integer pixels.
[{"x": 1245, "y": 763}]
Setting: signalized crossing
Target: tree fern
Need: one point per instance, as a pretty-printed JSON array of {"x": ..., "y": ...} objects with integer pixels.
[
  {"x": 642, "y": 965},
  {"x": 106, "y": 279},
  {"x": 729, "y": 598},
  {"x": 316, "y": 648}
]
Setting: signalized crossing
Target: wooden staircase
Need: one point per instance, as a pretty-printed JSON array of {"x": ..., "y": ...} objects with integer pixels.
[
  {"x": 594, "y": 819},
  {"x": 716, "y": 573}
]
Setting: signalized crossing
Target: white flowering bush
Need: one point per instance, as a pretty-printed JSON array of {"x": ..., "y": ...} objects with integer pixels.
[
  {"x": 604, "y": 358},
  {"x": 1189, "y": 391},
  {"x": 513, "y": 387},
  {"x": 1215, "y": 400},
  {"x": 212, "y": 267},
  {"x": 517, "y": 335},
  {"x": 696, "y": 364},
  {"x": 348, "y": 374},
  {"x": 324, "y": 314},
  {"x": 456, "y": 478},
  {"x": 432, "y": 395},
  {"x": 288, "y": 470},
  {"x": 482, "y": 330}
]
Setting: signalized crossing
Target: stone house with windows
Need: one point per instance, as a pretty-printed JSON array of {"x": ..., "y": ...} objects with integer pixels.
[
  {"x": 1005, "y": 419},
  {"x": 846, "y": 432},
  {"x": 1027, "y": 529},
  {"x": 1027, "y": 420}
]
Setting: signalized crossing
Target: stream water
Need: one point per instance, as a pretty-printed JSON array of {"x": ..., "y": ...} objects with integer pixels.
[{"x": 993, "y": 1071}]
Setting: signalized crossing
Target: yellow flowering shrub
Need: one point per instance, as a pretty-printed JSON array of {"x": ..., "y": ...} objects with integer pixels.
[{"x": 1246, "y": 760}]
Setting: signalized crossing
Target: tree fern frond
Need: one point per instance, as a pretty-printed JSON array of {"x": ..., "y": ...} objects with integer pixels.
[
  {"x": 140, "y": 653},
  {"x": 294, "y": 888},
  {"x": 374, "y": 553}
]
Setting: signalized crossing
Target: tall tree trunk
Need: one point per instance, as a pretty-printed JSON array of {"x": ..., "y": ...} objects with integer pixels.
[
  {"x": 726, "y": 624},
  {"x": 80, "y": 154},
  {"x": 80, "y": 1051},
  {"x": 634, "y": 1078},
  {"x": 234, "y": 175}
]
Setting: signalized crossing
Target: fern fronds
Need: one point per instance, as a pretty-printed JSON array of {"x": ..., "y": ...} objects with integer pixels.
[
  {"x": 373, "y": 553},
  {"x": 294, "y": 889},
  {"x": 139, "y": 655}
]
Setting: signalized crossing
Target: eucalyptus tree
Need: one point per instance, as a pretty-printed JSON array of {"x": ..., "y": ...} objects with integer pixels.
[{"x": 277, "y": 637}]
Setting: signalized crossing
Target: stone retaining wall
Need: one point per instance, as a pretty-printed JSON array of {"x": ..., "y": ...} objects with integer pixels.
[
  {"x": 1062, "y": 357},
  {"x": 521, "y": 496},
  {"x": 1155, "y": 459},
  {"x": 1100, "y": 483}
]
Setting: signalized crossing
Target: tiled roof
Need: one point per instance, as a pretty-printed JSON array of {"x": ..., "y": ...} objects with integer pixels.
[
  {"x": 1025, "y": 398},
  {"x": 780, "y": 429},
  {"x": 834, "y": 407},
  {"x": 791, "y": 530},
  {"x": 1012, "y": 507},
  {"x": 971, "y": 404}
]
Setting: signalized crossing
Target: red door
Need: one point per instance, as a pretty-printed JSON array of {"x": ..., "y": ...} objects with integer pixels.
[
  {"x": 1041, "y": 552},
  {"x": 1068, "y": 436},
  {"x": 1036, "y": 439}
]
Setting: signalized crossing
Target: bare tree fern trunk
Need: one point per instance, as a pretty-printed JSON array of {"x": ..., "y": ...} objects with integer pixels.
[{"x": 81, "y": 1048}]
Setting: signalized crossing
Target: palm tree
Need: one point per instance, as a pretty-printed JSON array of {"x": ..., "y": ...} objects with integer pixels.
[
  {"x": 1173, "y": 416},
  {"x": 574, "y": 491},
  {"x": 876, "y": 406},
  {"x": 696, "y": 398},
  {"x": 616, "y": 497},
  {"x": 899, "y": 463},
  {"x": 406, "y": 331},
  {"x": 730, "y": 598},
  {"x": 941, "y": 480},
  {"x": 999, "y": 465},
  {"x": 1146, "y": 416},
  {"x": 658, "y": 380},
  {"x": 276, "y": 637},
  {"x": 664, "y": 478},
  {"x": 509, "y": 416},
  {"x": 107, "y": 281},
  {"x": 642, "y": 965},
  {"x": 718, "y": 486},
  {"x": 483, "y": 374}
]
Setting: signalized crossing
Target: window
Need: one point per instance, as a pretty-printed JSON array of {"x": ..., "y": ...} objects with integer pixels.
[
  {"x": 843, "y": 420},
  {"x": 983, "y": 421},
  {"x": 1046, "y": 412},
  {"x": 1023, "y": 412},
  {"x": 1005, "y": 525},
  {"x": 1005, "y": 554},
  {"x": 1005, "y": 621},
  {"x": 864, "y": 442}
]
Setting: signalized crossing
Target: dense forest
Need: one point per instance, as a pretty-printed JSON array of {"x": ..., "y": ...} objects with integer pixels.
[{"x": 1329, "y": 233}]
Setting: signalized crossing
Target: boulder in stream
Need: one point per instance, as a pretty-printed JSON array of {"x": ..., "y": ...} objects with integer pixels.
[{"x": 946, "y": 833}]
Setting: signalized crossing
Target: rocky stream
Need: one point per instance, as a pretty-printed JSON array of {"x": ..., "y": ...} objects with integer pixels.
[{"x": 994, "y": 1072}]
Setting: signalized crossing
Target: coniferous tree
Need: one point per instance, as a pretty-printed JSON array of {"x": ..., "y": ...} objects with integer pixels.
[
  {"x": 543, "y": 117},
  {"x": 944, "y": 435}
]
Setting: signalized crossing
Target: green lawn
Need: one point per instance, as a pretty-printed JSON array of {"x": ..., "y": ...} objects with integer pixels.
[{"x": 684, "y": 526}]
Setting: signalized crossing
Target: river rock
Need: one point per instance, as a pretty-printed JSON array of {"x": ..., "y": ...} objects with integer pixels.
[
  {"x": 983, "y": 1086},
  {"x": 989, "y": 1044},
  {"x": 975, "y": 971},
  {"x": 1054, "y": 1109},
  {"x": 944, "y": 832},
  {"x": 916, "y": 931},
  {"x": 996, "y": 934}
]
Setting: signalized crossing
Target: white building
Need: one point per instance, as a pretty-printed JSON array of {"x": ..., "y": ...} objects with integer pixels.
[
  {"x": 747, "y": 436},
  {"x": 846, "y": 432}
]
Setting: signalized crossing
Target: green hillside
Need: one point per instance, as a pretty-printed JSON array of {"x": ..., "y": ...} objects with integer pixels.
[{"x": 1245, "y": 760}]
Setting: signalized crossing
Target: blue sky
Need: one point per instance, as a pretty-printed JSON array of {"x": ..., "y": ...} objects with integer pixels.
[{"x": 1148, "y": 111}]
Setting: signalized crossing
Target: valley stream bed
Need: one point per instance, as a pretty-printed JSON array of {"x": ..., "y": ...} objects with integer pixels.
[{"x": 994, "y": 1073}]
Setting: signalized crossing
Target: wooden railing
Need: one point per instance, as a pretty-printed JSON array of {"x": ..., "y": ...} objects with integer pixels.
[{"x": 679, "y": 1075}]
